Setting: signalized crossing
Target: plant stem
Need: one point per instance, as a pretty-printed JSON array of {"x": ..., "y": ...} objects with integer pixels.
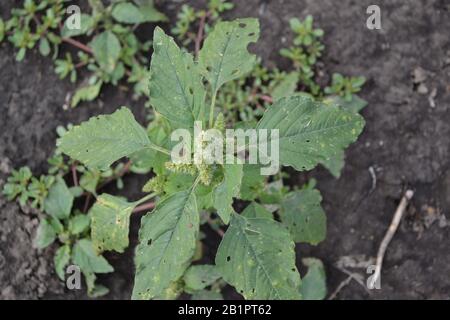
[
  {"x": 74, "y": 174},
  {"x": 160, "y": 149},
  {"x": 144, "y": 207},
  {"x": 211, "y": 109},
  {"x": 146, "y": 198},
  {"x": 77, "y": 44},
  {"x": 199, "y": 37}
]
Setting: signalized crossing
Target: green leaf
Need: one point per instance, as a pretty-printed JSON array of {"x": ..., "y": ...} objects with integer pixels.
[
  {"x": 86, "y": 23},
  {"x": 129, "y": 13},
  {"x": 2, "y": 29},
  {"x": 84, "y": 256},
  {"x": 167, "y": 242},
  {"x": 227, "y": 190},
  {"x": 61, "y": 260},
  {"x": 257, "y": 257},
  {"x": 286, "y": 87},
  {"x": 148, "y": 159},
  {"x": 255, "y": 210},
  {"x": 125, "y": 12},
  {"x": 303, "y": 215},
  {"x": 252, "y": 182},
  {"x": 151, "y": 14},
  {"x": 89, "y": 181},
  {"x": 87, "y": 93},
  {"x": 356, "y": 104},
  {"x": 207, "y": 295},
  {"x": 59, "y": 200},
  {"x": 94, "y": 290},
  {"x": 79, "y": 224},
  {"x": 199, "y": 277},
  {"x": 106, "y": 49},
  {"x": 314, "y": 285},
  {"x": 224, "y": 56},
  {"x": 45, "y": 235},
  {"x": 335, "y": 164},
  {"x": 44, "y": 46},
  {"x": 309, "y": 132},
  {"x": 176, "y": 88},
  {"x": 104, "y": 139},
  {"x": 110, "y": 223}
]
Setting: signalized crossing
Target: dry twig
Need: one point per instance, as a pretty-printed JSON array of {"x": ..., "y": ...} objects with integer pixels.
[{"x": 389, "y": 234}]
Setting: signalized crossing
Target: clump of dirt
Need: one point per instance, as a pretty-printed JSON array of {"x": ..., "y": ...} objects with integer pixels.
[{"x": 406, "y": 142}]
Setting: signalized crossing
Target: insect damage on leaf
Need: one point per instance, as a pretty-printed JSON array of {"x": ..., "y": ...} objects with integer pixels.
[
  {"x": 110, "y": 223},
  {"x": 167, "y": 241},
  {"x": 104, "y": 139}
]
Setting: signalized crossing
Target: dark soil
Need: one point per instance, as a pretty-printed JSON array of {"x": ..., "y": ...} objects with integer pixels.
[{"x": 406, "y": 141}]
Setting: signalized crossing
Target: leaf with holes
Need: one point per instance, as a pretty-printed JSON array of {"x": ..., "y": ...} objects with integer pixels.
[
  {"x": 257, "y": 257},
  {"x": 224, "y": 56},
  {"x": 309, "y": 131},
  {"x": 110, "y": 223},
  {"x": 303, "y": 216},
  {"x": 167, "y": 242},
  {"x": 176, "y": 88},
  {"x": 104, "y": 139}
]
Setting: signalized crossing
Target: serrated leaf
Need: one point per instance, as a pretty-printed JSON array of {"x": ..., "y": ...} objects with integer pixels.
[
  {"x": 59, "y": 200},
  {"x": 104, "y": 139},
  {"x": 84, "y": 256},
  {"x": 86, "y": 23},
  {"x": 176, "y": 88},
  {"x": 106, "y": 49},
  {"x": 224, "y": 56},
  {"x": 255, "y": 210},
  {"x": 227, "y": 190},
  {"x": 167, "y": 242},
  {"x": 257, "y": 257},
  {"x": 286, "y": 87},
  {"x": 110, "y": 223},
  {"x": 314, "y": 285},
  {"x": 61, "y": 260},
  {"x": 303, "y": 215},
  {"x": 45, "y": 235},
  {"x": 309, "y": 132},
  {"x": 199, "y": 277}
]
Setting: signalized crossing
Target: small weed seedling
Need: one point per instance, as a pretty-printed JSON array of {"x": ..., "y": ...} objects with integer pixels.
[{"x": 113, "y": 52}]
